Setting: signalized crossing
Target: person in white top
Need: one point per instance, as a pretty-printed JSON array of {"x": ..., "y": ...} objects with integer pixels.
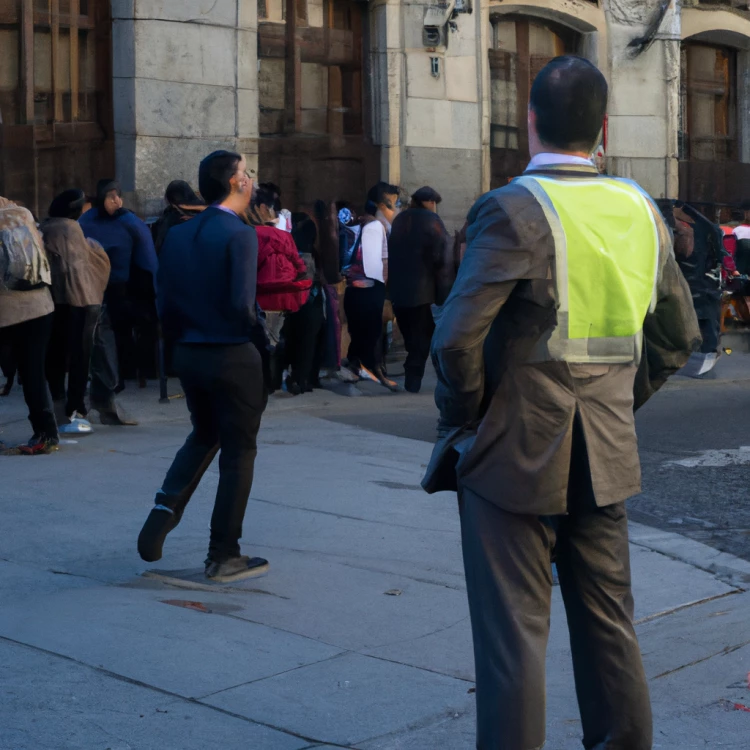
[
  {"x": 742, "y": 231},
  {"x": 386, "y": 200}
]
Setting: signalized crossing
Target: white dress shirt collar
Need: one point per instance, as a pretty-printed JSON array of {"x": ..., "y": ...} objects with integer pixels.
[{"x": 548, "y": 160}]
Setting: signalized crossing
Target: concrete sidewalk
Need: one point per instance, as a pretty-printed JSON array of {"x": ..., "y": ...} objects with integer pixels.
[{"x": 359, "y": 636}]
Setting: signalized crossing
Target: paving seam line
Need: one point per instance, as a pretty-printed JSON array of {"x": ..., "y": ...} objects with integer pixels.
[
  {"x": 681, "y": 607},
  {"x": 139, "y": 683}
]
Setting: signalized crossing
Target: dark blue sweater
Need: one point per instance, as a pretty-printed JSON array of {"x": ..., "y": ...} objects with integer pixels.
[
  {"x": 206, "y": 282},
  {"x": 126, "y": 240}
]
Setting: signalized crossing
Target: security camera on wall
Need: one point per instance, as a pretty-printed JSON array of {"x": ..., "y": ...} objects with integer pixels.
[{"x": 435, "y": 25}]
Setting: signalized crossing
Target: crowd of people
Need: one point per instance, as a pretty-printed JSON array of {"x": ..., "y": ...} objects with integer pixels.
[{"x": 78, "y": 297}]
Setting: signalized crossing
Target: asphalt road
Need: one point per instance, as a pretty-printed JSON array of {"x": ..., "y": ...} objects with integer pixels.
[{"x": 682, "y": 422}]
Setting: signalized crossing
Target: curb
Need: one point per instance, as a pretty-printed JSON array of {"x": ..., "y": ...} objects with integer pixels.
[{"x": 732, "y": 570}]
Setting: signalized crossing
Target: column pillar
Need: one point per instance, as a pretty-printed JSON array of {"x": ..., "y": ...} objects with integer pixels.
[{"x": 184, "y": 84}]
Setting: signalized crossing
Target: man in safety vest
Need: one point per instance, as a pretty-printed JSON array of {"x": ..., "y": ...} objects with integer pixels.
[{"x": 568, "y": 284}]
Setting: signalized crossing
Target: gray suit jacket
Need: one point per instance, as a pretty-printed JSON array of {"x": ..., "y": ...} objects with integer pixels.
[{"x": 510, "y": 414}]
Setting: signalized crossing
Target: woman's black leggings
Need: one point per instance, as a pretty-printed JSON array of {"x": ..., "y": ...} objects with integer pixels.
[{"x": 364, "y": 316}]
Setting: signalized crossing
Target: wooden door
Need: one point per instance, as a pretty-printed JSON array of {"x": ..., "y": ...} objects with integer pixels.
[
  {"x": 313, "y": 142},
  {"x": 55, "y": 98}
]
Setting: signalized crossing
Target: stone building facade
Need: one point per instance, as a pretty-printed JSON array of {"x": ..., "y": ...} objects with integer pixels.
[{"x": 327, "y": 96}]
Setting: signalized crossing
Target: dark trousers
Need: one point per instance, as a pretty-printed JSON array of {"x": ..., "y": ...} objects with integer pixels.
[
  {"x": 226, "y": 397},
  {"x": 509, "y": 585},
  {"x": 8, "y": 364},
  {"x": 136, "y": 349},
  {"x": 69, "y": 352},
  {"x": 29, "y": 341},
  {"x": 104, "y": 363},
  {"x": 417, "y": 326},
  {"x": 364, "y": 317},
  {"x": 330, "y": 356},
  {"x": 302, "y": 334}
]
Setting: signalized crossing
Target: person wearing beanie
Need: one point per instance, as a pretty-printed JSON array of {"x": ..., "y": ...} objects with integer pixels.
[
  {"x": 421, "y": 275},
  {"x": 80, "y": 270},
  {"x": 129, "y": 300}
]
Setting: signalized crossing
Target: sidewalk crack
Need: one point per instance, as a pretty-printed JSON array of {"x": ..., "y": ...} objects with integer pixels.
[{"x": 724, "y": 652}]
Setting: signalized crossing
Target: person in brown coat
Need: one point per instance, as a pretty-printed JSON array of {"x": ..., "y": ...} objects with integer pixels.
[
  {"x": 80, "y": 271},
  {"x": 568, "y": 284}
]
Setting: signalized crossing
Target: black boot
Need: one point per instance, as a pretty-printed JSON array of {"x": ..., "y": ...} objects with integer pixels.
[
  {"x": 162, "y": 519},
  {"x": 412, "y": 383}
]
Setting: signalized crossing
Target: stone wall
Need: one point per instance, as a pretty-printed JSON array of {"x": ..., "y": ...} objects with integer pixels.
[
  {"x": 644, "y": 98},
  {"x": 185, "y": 83},
  {"x": 428, "y": 126}
]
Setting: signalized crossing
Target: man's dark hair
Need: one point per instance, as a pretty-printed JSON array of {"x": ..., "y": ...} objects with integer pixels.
[
  {"x": 68, "y": 205},
  {"x": 425, "y": 194},
  {"x": 377, "y": 193},
  {"x": 214, "y": 174},
  {"x": 264, "y": 197},
  {"x": 569, "y": 98},
  {"x": 275, "y": 190},
  {"x": 179, "y": 193}
]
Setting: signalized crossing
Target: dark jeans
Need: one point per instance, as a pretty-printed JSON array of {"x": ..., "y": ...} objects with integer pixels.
[
  {"x": 226, "y": 397},
  {"x": 69, "y": 352},
  {"x": 302, "y": 334},
  {"x": 29, "y": 341},
  {"x": 104, "y": 363},
  {"x": 136, "y": 350},
  {"x": 364, "y": 317},
  {"x": 509, "y": 585},
  {"x": 417, "y": 326}
]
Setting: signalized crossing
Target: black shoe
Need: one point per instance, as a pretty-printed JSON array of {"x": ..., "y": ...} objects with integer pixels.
[
  {"x": 40, "y": 445},
  {"x": 161, "y": 520},
  {"x": 293, "y": 387},
  {"x": 413, "y": 384},
  {"x": 236, "y": 569}
]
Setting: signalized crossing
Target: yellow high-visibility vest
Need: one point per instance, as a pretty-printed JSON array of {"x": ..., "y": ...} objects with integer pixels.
[{"x": 606, "y": 265}]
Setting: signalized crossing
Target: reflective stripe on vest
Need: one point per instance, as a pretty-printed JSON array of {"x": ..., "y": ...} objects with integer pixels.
[{"x": 606, "y": 266}]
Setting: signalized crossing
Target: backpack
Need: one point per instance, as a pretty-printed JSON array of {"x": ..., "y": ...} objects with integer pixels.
[
  {"x": 23, "y": 262},
  {"x": 348, "y": 240}
]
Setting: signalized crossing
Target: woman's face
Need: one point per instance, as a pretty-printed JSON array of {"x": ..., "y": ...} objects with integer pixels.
[{"x": 112, "y": 203}]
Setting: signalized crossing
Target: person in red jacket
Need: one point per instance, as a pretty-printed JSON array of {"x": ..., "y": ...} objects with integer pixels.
[{"x": 283, "y": 285}]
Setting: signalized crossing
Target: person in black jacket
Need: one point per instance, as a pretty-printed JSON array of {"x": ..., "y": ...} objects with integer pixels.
[
  {"x": 421, "y": 275},
  {"x": 206, "y": 301}
]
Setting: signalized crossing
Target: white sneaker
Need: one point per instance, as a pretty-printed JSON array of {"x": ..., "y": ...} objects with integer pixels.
[
  {"x": 365, "y": 374},
  {"x": 345, "y": 375},
  {"x": 78, "y": 426}
]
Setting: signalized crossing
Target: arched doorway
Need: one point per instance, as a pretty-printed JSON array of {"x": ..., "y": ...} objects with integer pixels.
[
  {"x": 55, "y": 98},
  {"x": 520, "y": 47},
  {"x": 312, "y": 93}
]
